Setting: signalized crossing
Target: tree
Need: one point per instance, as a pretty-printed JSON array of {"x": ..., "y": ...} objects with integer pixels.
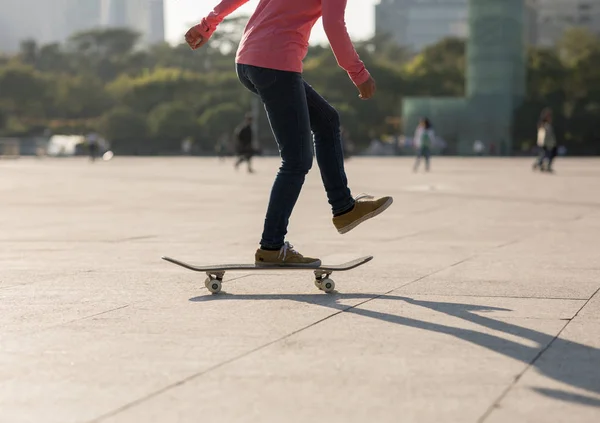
[
  {"x": 77, "y": 97},
  {"x": 545, "y": 74},
  {"x": 218, "y": 121},
  {"x": 74, "y": 86},
  {"x": 104, "y": 43},
  {"x": 29, "y": 52},
  {"x": 439, "y": 70},
  {"x": 51, "y": 58},
  {"x": 147, "y": 91},
  {"x": 169, "y": 124},
  {"x": 22, "y": 91},
  {"x": 577, "y": 45},
  {"x": 125, "y": 129},
  {"x": 230, "y": 32},
  {"x": 103, "y": 52}
]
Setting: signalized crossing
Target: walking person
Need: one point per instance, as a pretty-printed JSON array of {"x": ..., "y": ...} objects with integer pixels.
[
  {"x": 93, "y": 140},
  {"x": 547, "y": 142},
  {"x": 269, "y": 64},
  {"x": 244, "y": 149},
  {"x": 424, "y": 138}
]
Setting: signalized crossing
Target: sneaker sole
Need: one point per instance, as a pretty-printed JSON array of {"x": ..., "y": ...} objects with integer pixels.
[
  {"x": 366, "y": 217},
  {"x": 313, "y": 265}
]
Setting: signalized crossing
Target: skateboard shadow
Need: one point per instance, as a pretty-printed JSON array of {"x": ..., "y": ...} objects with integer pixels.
[{"x": 571, "y": 363}]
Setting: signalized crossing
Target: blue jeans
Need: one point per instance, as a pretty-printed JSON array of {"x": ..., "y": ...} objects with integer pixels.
[
  {"x": 426, "y": 154},
  {"x": 295, "y": 109}
]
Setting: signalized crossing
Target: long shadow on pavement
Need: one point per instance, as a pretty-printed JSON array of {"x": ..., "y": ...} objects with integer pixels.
[{"x": 568, "y": 362}]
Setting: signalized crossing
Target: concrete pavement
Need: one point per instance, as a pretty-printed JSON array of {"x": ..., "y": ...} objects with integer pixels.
[{"x": 481, "y": 304}]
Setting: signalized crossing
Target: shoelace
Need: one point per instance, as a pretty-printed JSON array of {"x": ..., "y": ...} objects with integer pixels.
[
  {"x": 363, "y": 195},
  {"x": 287, "y": 247}
]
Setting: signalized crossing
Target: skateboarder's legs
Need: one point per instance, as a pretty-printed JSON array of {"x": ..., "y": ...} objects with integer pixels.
[
  {"x": 293, "y": 107},
  {"x": 325, "y": 125}
]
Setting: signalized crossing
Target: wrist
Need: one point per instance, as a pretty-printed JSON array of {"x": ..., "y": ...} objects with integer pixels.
[
  {"x": 361, "y": 77},
  {"x": 204, "y": 29}
]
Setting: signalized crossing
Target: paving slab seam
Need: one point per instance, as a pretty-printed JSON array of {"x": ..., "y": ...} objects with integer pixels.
[
  {"x": 261, "y": 347},
  {"x": 91, "y": 316},
  {"x": 203, "y": 372},
  {"x": 12, "y": 286},
  {"x": 68, "y": 322},
  {"x": 538, "y": 202},
  {"x": 252, "y": 351},
  {"x": 504, "y": 393}
]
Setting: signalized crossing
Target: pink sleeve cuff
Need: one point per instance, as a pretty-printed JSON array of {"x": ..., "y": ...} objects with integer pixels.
[
  {"x": 360, "y": 77},
  {"x": 205, "y": 30}
]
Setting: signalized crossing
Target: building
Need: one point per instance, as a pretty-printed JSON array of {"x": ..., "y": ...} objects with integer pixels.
[
  {"x": 553, "y": 17},
  {"x": 495, "y": 81},
  {"x": 416, "y": 24},
  {"x": 114, "y": 13},
  {"x": 40, "y": 20},
  {"x": 54, "y": 21},
  {"x": 144, "y": 16},
  {"x": 81, "y": 15}
]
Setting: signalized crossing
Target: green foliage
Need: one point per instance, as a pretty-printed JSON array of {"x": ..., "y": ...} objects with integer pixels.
[
  {"x": 22, "y": 91},
  {"x": 125, "y": 129},
  {"x": 220, "y": 119},
  {"x": 439, "y": 70},
  {"x": 92, "y": 98},
  {"x": 147, "y": 101},
  {"x": 170, "y": 123}
]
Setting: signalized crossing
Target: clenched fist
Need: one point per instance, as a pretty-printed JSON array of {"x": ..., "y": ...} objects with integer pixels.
[
  {"x": 367, "y": 89},
  {"x": 194, "y": 39}
]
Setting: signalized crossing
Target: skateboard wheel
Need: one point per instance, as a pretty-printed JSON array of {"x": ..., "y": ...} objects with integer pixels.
[
  {"x": 214, "y": 286},
  {"x": 318, "y": 283},
  {"x": 327, "y": 285},
  {"x": 208, "y": 281}
]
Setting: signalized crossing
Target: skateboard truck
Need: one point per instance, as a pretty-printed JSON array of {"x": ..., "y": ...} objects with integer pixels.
[
  {"x": 213, "y": 281},
  {"x": 323, "y": 282}
]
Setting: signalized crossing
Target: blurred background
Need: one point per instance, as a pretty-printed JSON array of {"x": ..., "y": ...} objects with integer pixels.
[{"x": 116, "y": 74}]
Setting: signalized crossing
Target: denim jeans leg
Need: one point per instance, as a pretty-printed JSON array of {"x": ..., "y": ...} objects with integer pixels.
[
  {"x": 325, "y": 125},
  {"x": 427, "y": 156},
  {"x": 284, "y": 99}
]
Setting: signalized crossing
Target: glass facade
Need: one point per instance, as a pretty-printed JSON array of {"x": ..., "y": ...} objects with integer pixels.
[
  {"x": 495, "y": 51},
  {"x": 495, "y": 81},
  {"x": 50, "y": 21},
  {"x": 553, "y": 17},
  {"x": 446, "y": 113}
]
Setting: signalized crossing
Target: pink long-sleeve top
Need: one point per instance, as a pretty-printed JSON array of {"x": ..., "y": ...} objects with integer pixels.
[{"x": 277, "y": 34}]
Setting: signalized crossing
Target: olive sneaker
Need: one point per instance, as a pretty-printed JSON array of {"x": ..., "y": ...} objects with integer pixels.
[
  {"x": 286, "y": 256},
  {"x": 365, "y": 207}
]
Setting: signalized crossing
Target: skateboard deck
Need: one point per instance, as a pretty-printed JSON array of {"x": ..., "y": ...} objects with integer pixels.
[{"x": 215, "y": 273}]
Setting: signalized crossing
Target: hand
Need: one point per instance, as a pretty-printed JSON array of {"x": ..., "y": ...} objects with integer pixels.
[
  {"x": 367, "y": 89},
  {"x": 194, "y": 39}
]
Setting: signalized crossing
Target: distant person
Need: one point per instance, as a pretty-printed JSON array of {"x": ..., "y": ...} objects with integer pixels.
[
  {"x": 424, "y": 139},
  {"x": 244, "y": 149},
  {"x": 478, "y": 148},
  {"x": 546, "y": 141},
  {"x": 269, "y": 64},
  {"x": 186, "y": 146},
  {"x": 93, "y": 144}
]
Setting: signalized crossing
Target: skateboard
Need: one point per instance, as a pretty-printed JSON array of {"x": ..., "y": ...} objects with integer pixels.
[{"x": 216, "y": 273}]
